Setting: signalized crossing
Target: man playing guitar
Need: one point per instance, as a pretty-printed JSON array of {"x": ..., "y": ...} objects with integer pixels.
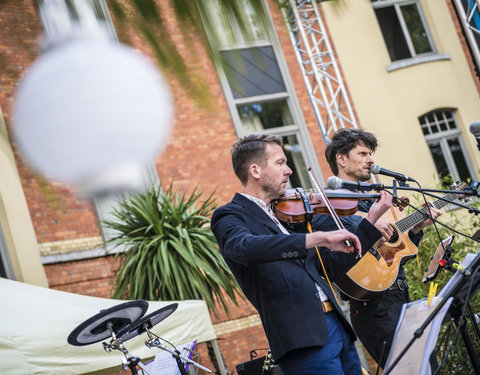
[{"x": 349, "y": 155}]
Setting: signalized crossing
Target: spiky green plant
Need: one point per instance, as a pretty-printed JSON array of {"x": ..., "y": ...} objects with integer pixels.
[{"x": 170, "y": 251}]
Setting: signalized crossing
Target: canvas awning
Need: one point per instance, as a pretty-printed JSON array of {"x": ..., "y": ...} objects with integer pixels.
[{"x": 35, "y": 323}]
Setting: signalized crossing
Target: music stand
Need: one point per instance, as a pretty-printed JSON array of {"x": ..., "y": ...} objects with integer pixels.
[
  {"x": 461, "y": 282},
  {"x": 147, "y": 322},
  {"x": 108, "y": 323}
]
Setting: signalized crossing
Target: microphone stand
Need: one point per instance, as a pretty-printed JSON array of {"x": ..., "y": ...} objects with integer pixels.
[
  {"x": 458, "y": 284},
  {"x": 456, "y": 287},
  {"x": 129, "y": 361},
  {"x": 154, "y": 341},
  {"x": 467, "y": 192}
]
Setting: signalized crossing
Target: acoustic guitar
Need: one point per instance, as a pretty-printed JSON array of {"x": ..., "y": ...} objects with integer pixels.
[{"x": 378, "y": 268}]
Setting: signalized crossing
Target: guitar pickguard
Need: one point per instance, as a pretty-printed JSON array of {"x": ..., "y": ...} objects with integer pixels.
[{"x": 378, "y": 269}]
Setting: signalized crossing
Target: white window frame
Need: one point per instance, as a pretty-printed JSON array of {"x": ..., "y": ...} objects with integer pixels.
[
  {"x": 97, "y": 6},
  {"x": 5, "y": 258},
  {"x": 469, "y": 30},
  {"x": 415, "y": 58},
  {"x": 443, "y": 136}
]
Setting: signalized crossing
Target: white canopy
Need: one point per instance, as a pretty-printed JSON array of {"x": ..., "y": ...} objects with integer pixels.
[{"x": 35, "y": 323}]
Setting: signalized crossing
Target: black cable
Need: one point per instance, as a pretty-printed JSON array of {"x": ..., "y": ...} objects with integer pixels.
[
  {"x": 462, "y": 316},
  {"x": 435, "y": 220},
  {"x": 430, "y": 216}
]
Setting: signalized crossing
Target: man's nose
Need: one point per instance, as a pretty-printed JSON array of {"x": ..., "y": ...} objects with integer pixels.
[{"x": 288, "y": 171}]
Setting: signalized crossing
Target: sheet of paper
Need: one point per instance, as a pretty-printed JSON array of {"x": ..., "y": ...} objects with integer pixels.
[
  {"x": 416, "y": 359},
  {"x": 165, "y": 364}
]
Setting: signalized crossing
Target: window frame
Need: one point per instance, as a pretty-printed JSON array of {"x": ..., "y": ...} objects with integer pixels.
[
  {"x": 443, "y": 136},
  {"x": 298, "y": 128},
  {"x": 472, "y": 42},
  {"x": 6, "y": 264},
  {"x": 414, "y": 58}
]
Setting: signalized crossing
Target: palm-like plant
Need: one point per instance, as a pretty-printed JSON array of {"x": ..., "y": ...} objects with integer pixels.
[{"x": 170, "y": 251}]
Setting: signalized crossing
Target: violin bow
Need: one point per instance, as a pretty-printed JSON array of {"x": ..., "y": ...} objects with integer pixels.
[{"x": 334, "y": 215}]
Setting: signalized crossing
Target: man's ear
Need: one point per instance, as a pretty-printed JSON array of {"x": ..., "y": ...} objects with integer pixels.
[
  {"x": 340, "y": 158},
  {"x": 255, "y": 171}
]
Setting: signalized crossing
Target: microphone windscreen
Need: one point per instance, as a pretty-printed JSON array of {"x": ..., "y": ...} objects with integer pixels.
[
  {"x": 375, "y": 169},
  {"x": 334, "y": 183},
  {"x": 475, "y": 128}
]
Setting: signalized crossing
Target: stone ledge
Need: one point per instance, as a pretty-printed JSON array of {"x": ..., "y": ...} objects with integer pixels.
[
  {"x": 68, "y": 246},
  {"x": 237, "y": 324}
]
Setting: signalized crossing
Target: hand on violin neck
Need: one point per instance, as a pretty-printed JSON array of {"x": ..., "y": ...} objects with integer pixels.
[
  {"x": 381, "y": 205},
  {"x": 334, "y": 240}
]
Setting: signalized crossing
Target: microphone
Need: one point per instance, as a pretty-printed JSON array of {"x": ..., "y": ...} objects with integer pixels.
[
  {"x": 475, "y": 130},
  {"x": 335, "y": 183},
  {"x": 376, "y": 169}
]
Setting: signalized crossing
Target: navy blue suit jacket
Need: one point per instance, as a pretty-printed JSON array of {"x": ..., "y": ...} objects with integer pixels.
[{"x": 277, "y": 273}]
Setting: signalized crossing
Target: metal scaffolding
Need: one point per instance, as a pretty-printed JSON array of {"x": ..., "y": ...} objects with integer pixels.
[{"x": 319, "y": 68}]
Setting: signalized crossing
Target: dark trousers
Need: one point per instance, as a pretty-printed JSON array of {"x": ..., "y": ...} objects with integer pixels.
[
  {"x": 375, "y": 321},
  {"x": 337, "y": 357}
]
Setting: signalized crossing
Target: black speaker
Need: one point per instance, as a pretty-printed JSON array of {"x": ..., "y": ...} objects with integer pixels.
[{"x": 255, "y": 366}]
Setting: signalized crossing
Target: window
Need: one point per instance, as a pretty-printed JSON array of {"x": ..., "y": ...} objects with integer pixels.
[
  {"x": 404, "y": 28},
  {"x": 6, "y": 270},
  {"x": 255, "y": 80},
  {"x": 446, "y": 145},
  {"x": 469, "y": 17},
  {"x": 73, "y": 9}
]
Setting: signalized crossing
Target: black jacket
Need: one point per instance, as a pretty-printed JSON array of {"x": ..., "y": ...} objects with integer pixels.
[{"x": 277, "y": 273}]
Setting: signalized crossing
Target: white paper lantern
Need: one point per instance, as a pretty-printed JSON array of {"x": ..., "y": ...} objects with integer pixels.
[{"x": 92, "y": 112}]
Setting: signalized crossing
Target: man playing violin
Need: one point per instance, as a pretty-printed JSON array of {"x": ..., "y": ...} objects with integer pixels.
[
  {"x": 278, "y": 270},
  {"x": 349, "y": 155}
]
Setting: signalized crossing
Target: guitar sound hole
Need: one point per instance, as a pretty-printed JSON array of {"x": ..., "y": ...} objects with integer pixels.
[{"x": 394, "y": 237}]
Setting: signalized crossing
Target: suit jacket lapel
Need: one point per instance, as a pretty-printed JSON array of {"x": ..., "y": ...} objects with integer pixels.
[{"x": 254, "y": 211}]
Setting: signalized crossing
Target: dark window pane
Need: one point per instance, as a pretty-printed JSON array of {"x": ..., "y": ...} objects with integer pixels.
[
  {"x": 434, "y": 128},
  {"x": 426, "y": 130},
  {"x": 459, "y": 158},
  {"x": 4, "y": 259},
  {"x": 418, "y": 34},
  {"x": 267, "y": 115},
  {"x": 439, "y": 159},
  {"x": 252, "y": 72},
  {"x": 392, "y": 33},
  {"x": 293, "y": 152},
  {"x": 451, "y": 124},
  {"x": 443, "y": 126}
]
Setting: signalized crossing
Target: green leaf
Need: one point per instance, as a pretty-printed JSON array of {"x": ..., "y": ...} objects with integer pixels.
[{"x": 172, "y": 253}]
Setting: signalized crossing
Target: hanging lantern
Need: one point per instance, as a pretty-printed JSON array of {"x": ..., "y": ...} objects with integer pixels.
[{"x": 92, "y": 112}]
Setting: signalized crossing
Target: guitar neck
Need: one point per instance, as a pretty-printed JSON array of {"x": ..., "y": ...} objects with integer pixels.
[{"x": 408, "y": 222}]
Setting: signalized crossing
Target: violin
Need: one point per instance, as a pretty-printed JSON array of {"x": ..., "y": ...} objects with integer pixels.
[{"x": 299, "y": 206}]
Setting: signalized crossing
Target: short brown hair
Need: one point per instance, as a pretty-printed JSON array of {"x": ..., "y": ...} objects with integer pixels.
[
  {"x": 344, "y": 140},
  {"x": 249, "y": 150}
]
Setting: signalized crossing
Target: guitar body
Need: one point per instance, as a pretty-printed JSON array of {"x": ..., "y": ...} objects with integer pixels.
[{"x": 378, "y": 268}]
